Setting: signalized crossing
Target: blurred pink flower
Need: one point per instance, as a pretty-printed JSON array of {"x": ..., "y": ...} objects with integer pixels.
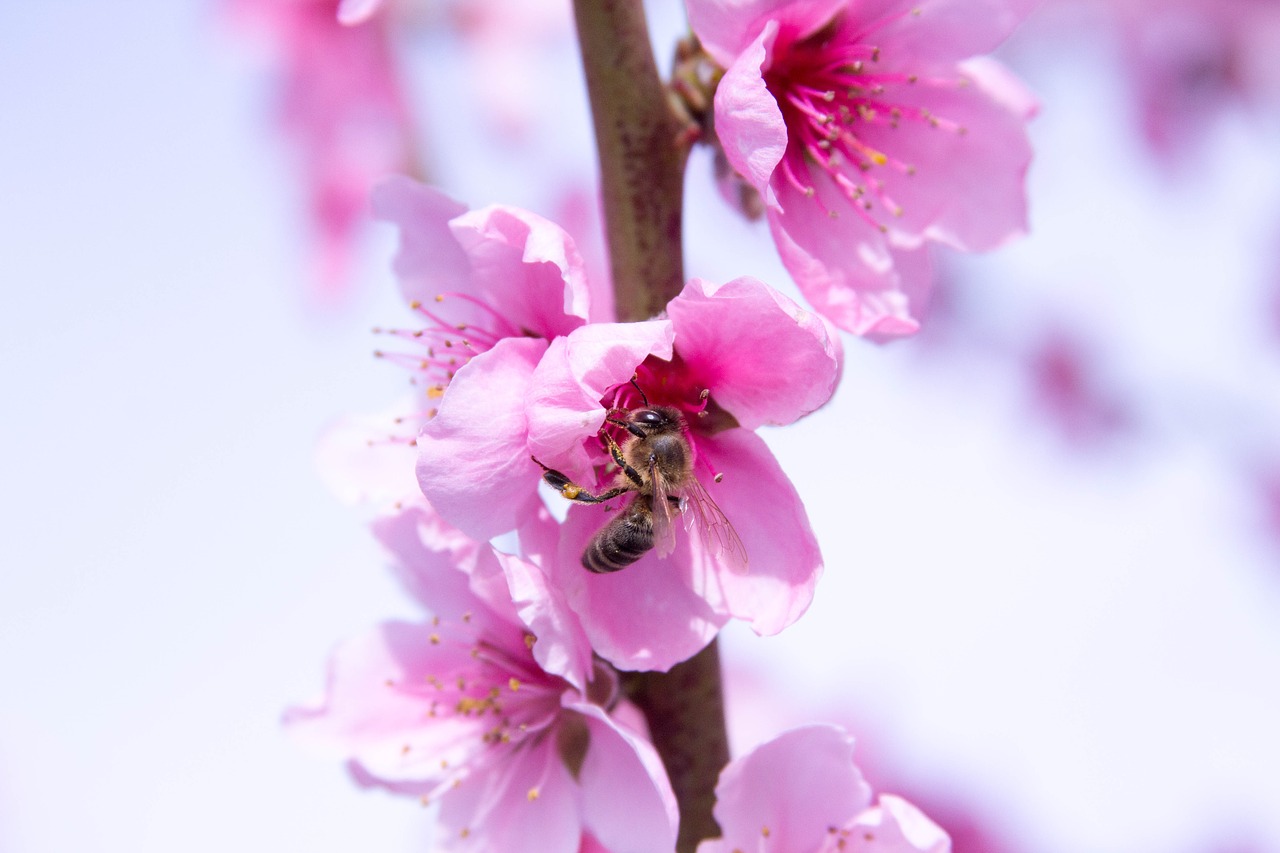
[
  {"x": 1067, "y": 388},
  {"x": 503, "y": 42},
  {"x": 341, "y": 108},
  {"x": 802, "y": 793},
  {"x": 731, "y": 358},
  {"x": 869, "y": 129},
  {"x": 494, "y": 706},
  {"x": 1189, "y": 58}
]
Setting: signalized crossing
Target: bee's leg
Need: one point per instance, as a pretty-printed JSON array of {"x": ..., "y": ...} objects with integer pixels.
[
  {"x": 570, "y": 490},
  {"x": 627, "y": 425},
  {"x": 632, "y": 474}
]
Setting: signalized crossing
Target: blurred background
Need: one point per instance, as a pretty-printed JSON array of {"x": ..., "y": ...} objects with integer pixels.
[{"x": 1051, "y": 609}]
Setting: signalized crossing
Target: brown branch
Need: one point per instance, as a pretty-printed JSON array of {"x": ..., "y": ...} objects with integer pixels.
[
  {"x": 685, "y": 712},
  {"x": 643, "y": 146}
]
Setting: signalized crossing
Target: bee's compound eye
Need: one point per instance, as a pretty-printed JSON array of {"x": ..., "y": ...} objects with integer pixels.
[{"x": 647, "y": 417}]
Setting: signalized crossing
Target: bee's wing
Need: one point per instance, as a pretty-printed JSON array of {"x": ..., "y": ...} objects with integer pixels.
[
  {"x": 717, "y": 532},
  {"x": 664, "y": 533}
]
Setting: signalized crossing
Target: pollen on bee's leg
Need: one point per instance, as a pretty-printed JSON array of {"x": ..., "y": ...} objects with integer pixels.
[{"x": 570, "y": 491}]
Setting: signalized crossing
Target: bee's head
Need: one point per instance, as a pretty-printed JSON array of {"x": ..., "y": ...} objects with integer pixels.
[{"x": 654, "y": 419}]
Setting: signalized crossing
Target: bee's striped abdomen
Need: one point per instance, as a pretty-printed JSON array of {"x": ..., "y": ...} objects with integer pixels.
[{"x": 625, "y": 539}]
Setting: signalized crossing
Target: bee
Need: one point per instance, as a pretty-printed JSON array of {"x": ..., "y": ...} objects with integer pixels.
[{"x": 655, "y": 463}]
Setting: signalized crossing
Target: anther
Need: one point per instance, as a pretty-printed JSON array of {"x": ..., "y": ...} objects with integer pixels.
[
  {"x": 533, "y": 794},
  {"x": 718, "y": 478}
]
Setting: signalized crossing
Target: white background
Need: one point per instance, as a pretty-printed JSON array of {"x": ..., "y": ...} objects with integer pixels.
[{"x": 1077, "y": 645}]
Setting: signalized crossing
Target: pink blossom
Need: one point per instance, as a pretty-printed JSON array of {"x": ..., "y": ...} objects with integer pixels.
[
  {"x": 730, "y": 358},
  {"x": 493, "y": 706},
  {"x": 351, "y": 12},
  {"x": 503, "y": 43},
  {"x": 802, "y": 793},
  {"x": 491, "y": 288},
  {"x": 870, "y": 129},
  {"x": 341, "y": 108},
  {"x": 1190, "y": 58},
  {"x": 1066, "y": 386}
]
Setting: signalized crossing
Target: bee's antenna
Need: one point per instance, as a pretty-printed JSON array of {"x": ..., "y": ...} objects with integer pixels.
[{"x": 636, "y": 385}]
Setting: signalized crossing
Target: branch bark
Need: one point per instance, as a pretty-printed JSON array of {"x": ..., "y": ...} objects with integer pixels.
[{"x": 643, "y": 145}]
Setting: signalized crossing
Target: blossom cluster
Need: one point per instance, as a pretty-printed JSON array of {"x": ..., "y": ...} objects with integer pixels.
[{"x": 592, "y": 497}]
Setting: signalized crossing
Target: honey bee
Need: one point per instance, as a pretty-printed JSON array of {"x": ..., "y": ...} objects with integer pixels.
[{"x": 655, "y": 463}]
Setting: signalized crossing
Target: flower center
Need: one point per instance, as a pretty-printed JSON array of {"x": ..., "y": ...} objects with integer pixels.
[
  {"x": 831, "y": 89},
  {"x": 501, "y": 698},
  {"x": 444, "y": 346}
]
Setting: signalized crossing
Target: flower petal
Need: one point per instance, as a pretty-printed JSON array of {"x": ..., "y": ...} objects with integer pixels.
[
  {"x": 527, "y": 801},
  {"x": 564, "y": 403},
  {"x": 912, "y": 33},
  {"x": 726, "y": 27},
  {"x": 785, "y": 561},
  {"x": 968, "y": 187},
  {"x": 847, "y": 271},
  {"x": 352, "y": 12},
  {"x": 431, "y": 558},
  {"x": 772, "y": 792},
  {"x": 473, "y": 458},
  {"x": 647, "y": 616},
  {"x": 374, "y": 710},
  {"x": 526, "y": 266},
  {"x": 429, "y": 260},
  {"x": 895, "y": 826},
  {"x": 627, "y": 801},
  {"x": 749, "y": 124},
  {"x": 765, "y": 359},
  {"x": 561, "y": 647}
]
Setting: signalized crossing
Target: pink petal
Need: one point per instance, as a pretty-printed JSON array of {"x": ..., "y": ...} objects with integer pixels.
[
  {"x": 944, "y": 31},
  {"x": 372, "y": 712},
  {"x": 473, "y": 459},
  {"x": 847, "y": 271},
  {"x": 784, "y": 559},
  {"x": 627, "y": 802},
  {"x": 765, "y": 359},
  {"x": 776, "y": 788},
  {"x": 895, "y": 826},
  {"x": 968, "y": 189},
  {"x": 749, "y": 124},
  {"x": 647, "y": 616},
  {"x": 726, "y": 27},
  {"x": 430, "y": 557},
  {"x": 429, "y": 261},
  {"x": 516, "y": 262},
  {"x": 527, "y": 266},
  {"x": 352, "y": 12},
  {"x": 561, "y": 647},
  {"x": 360, "y": 463},
  {"x": 564, "y": 401},
  {"x": 527, "y": 801},
  {"x": 456, "y": 579}
]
